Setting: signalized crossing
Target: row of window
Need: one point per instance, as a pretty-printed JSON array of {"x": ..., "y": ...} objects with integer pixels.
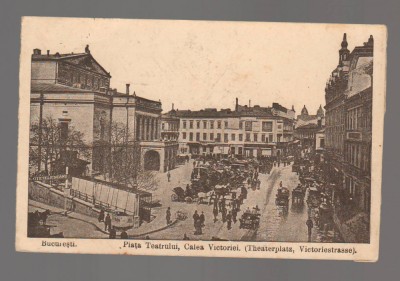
[
  {"x": 355, "y": 118},
  {"x": 267, "y": 126},
  {"x": 217, "y": 137},
  {"x": 170, "y": 126},
  {"x": 206, "y": 124},
  {"x": 85, "y": 80},
  {"x": 359, "y": 117},
  {"x": 358, "y": 155}
]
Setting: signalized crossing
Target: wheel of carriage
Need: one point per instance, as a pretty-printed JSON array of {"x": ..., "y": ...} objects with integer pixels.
[
  {"x": 174, "y": 197},
  {"x": 188, "y": 200}
]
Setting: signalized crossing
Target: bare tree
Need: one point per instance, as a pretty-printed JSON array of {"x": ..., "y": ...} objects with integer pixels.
[
  {"x": 56, "y": 143},
  {"x": 125, "y": 160}
]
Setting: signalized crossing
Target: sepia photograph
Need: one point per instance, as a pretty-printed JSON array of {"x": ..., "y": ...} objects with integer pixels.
[{"x": 200, "y": 138}]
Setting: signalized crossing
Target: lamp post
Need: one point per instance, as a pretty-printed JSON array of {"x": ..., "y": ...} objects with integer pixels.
[{"x": 66, "y": 191}]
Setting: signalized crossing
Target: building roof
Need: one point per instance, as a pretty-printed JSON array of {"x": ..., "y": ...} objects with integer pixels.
[
  {"x": 56, "y": 88},
  {"x": 57, "y": 56},
  {"x": 80, "y": 59},
  {"x": 307, "y": 117},
  {"x": 308, "y": 126},
  {"x": 226, "y": 113}
]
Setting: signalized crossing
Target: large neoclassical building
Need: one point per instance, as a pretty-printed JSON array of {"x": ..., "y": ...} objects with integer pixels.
[{"x": 74, "y": 90}]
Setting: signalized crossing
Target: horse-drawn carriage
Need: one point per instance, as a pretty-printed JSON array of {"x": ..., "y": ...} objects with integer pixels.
[
  {"x": 298, "y": 195},
  {"x": 282, "y": 197},
  {"x": 180, "y": 195},
  {"x": 250, "y": 220},
  {"x": 314, "y": 197}
]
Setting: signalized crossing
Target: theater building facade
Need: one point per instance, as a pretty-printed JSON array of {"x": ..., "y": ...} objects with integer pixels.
[{"x": 73, "y": 90}]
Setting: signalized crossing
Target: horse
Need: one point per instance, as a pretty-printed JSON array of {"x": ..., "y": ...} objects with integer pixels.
[{"x": 42, "y": 216}]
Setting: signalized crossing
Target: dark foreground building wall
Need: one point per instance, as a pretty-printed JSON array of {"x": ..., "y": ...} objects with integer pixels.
[{"x": 348, "y": 139}]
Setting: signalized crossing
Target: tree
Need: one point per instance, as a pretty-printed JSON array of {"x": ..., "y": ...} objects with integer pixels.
[
  {"x": 125, "y": 160},
  {"x": 58, "y": 142}
]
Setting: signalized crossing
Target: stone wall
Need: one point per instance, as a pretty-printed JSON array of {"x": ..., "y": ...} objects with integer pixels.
[{"x": 46, "y": 194}]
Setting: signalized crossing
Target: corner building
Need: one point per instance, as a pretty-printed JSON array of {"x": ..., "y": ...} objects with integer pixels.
[
  {"x": 348, "y": 134},
  {"x": 246, "y": 131}
]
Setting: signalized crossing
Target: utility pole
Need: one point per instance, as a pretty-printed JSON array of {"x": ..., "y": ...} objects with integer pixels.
[
  {"x": 66, "y": 191},
  {"x": 40, "y": 133}
]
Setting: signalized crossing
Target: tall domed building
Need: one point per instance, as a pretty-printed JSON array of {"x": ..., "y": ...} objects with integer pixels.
[{"x": 304, "y": 118}]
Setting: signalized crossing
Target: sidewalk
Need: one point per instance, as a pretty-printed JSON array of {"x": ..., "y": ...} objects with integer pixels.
[
  {"x": 35, "y": 205},
  {"x": 99, "y": 226}
]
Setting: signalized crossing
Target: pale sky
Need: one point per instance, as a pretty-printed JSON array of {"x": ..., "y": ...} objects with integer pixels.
[{"x": 199, "y": 64}]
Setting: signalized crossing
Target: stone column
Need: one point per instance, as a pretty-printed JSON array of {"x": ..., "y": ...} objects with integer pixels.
[
  {"x": 137, "y": 130},
  {"x": 156, "y": 129},
  {"x": 142, "y": 136},
  {"x": 152, "y": 129},
  {"x": 146, "y": 128}
]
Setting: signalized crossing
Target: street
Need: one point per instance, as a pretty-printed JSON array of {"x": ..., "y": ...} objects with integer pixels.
[{"x": 274, "y": 224}]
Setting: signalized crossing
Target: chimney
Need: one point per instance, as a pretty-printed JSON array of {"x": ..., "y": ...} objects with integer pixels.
[
  {"x": 237, "y": 104},
  {"x": 127, "y": 88},
  {"x": 37, "y": 52},
  {"x": 249, "y": 103},
  {"x": 48, "y": 52},
  {"x": 172, "y": 106}
]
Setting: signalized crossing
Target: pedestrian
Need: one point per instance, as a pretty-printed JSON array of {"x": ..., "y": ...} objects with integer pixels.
[
  {"x": 202, "y": 219},
  {"x": 220, "y": 205},
  {"x": 310, "y": 226},
  {"x": 101, "y": 216},
  {"x": 215, "y": 202},
  {"x": 113, "y": 233},
  {"x": 185, "y": 237},
  {"x": 215, "y": 212},
  {"x": 237, "y": 203},
  {"x": 223, "y": 201},
  {"x": 168, "y": 176},
  {"x": 280, "y": 184},
  {"x": 196, "y": 219},
  {"x": 168, "y": 215},
  {"x": 223, "y": 215},
  {"x": 124, "y": 235},
  {"x": 107, "y": 223},
  {"x": 73, "y": 205},
  {"x": 229, "y": 220},
  {"x": 199, "y": 228},
  {"x": 234, "y": 215},
  {"x": 234, "y": 204},
  {"x": 256, "y": 209}
]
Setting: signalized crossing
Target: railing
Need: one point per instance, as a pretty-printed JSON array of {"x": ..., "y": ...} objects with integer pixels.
[
  {"x": 82, "y": 196},
  {"x": 90, "y": 199}
]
